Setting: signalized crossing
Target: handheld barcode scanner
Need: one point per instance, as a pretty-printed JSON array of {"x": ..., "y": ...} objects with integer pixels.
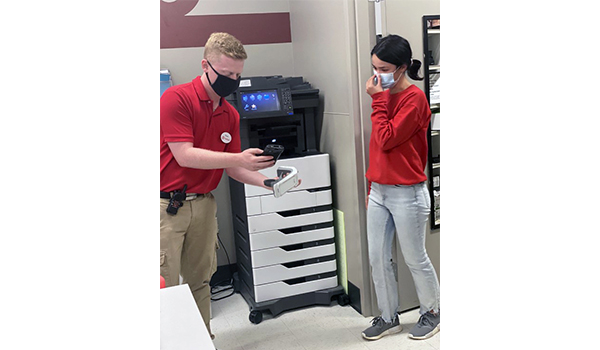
[{"x": 288, "y": 179}]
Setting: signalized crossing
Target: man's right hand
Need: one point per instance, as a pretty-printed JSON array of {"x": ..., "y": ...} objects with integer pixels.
[{"x": 249, "y": 160}]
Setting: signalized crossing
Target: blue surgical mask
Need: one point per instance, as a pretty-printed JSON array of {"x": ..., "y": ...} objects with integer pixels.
[{"x": 387, "y": 79}]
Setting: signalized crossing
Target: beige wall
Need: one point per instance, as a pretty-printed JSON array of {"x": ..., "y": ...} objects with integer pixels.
[
  {"x": 268, "y": 59},
  {"x": 226, "y": 7},
  {"x": 325, "y": 52}
]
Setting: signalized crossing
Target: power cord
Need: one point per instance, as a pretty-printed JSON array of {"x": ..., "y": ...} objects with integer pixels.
[{"x": 225, "y": 284}]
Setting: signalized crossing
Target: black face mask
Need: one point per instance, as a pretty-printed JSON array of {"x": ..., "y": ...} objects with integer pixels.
[{"x": 223, "y": 85}]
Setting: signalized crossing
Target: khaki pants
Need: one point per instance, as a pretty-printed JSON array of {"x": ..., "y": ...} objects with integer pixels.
[{"x": 188, "y": 243}]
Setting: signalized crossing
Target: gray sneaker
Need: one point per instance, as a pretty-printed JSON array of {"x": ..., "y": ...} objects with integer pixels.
[
  {"x": 380, "y": 328},
  {"x": 428, "y": 325}
]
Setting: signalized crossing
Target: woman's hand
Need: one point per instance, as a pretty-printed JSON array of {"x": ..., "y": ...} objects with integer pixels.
[{"x": 373, "y": 88}]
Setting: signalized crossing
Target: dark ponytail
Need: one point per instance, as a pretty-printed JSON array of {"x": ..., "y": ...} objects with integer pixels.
[
  {"x": 413, "y": 70},
  {"x": 396, "y": 50}
]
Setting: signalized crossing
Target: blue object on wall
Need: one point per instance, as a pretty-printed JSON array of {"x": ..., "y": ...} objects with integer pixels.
[{"x": 165, "y": 80}]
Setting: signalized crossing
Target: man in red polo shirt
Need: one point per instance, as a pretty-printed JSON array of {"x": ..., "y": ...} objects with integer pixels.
[{"x": 199, "y": 137}]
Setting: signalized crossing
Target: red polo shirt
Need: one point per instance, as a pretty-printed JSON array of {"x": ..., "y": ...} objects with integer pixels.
[
  {"x": 186, "y": 115},
  {"x": 398, "y": 147}
]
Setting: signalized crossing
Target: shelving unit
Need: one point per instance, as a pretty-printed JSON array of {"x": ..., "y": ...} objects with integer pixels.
[{"x": 432, "y": 72}]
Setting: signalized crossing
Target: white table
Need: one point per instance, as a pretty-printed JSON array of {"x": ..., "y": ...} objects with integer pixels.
[{"x": 181, "y": 325}]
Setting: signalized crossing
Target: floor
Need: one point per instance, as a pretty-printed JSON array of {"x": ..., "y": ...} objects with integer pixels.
[{"x": 311, "y": 328}]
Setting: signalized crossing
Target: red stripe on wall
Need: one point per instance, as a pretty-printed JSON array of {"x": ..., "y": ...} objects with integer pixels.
[{"x": 178, "y": 30}]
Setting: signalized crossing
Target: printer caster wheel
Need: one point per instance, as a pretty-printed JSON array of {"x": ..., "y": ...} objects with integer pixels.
[
  {"x": 343, "y": 299},
  {"x": 256, "y": 317}
]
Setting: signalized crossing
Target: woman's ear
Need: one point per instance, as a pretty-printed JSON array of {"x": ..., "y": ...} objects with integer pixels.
[{"x": 403, "y": 68}]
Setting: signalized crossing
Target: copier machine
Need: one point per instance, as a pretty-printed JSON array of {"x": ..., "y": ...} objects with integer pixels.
[{"x": 285, "y": 246}]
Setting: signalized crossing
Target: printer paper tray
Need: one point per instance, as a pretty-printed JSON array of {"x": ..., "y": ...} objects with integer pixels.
[
  {"x": 281, "y": 289},
  {"x": 276, "y": 273},
  {"x": 291, "y": 200},
  {"x": 272, "y": 239},
  {"x": 274, "y": 221},
  {"x": 275, "y": 256}
]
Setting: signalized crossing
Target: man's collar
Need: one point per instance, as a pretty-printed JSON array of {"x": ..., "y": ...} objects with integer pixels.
[{"x": 201, "y": 90}]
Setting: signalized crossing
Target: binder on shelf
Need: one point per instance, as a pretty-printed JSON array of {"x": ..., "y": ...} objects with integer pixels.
[{"x": 165, "y": 80}]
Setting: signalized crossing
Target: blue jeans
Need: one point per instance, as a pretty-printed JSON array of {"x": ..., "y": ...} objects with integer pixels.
[{"x": 405, "y": 210}]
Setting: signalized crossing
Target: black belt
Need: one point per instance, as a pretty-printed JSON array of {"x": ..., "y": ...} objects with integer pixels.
[{"x": 188, "y": 196}]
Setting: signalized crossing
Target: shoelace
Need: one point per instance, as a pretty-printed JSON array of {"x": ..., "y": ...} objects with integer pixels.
[
  {"x": 377, "y": 320},
  {"x": 424, "y": 320}
]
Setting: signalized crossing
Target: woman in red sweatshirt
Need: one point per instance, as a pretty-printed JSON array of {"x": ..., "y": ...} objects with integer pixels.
[{"x": 398, "y": 196}]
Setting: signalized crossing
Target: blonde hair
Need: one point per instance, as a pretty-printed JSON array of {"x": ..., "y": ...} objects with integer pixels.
[{"x": 224, "y": 44}]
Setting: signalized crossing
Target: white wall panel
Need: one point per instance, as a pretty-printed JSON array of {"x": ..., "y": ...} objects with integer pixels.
[{"x": 232, "y": 7}]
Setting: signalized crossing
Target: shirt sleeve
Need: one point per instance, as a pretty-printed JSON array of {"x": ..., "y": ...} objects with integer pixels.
[
  {"x": 392, "y": 131},
  {"x": 175, "y": 119}
]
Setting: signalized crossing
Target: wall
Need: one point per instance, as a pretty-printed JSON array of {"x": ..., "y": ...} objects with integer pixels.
[{"x": 325, "y": 52}]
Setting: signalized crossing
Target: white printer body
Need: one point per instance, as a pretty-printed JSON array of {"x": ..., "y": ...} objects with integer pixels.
[{"x": 286, "y": 245}]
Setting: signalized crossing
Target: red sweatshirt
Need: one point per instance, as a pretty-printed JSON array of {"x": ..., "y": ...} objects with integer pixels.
[{"x": 398, "y": 146}]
